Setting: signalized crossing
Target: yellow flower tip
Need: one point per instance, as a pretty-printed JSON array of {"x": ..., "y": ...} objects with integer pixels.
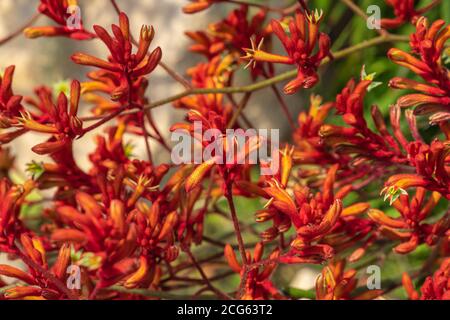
[
  {"x": 147, "y": 33},
  {"x": 198, "y": 174},
  {"x": 422, "y": 21},
  {"x": 392, "y": 193},
  {"x": 315, "y": 16},
  {"x": 315, "y": 101}
]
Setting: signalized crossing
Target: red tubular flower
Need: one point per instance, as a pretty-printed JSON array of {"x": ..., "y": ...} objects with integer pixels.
[
  {"x": 384, "y": 147},
  {"x": 123, "y": 236},
  {"x": 11, "y": 199},
  {"x": 299, "y": 45},
  {"x": 228, "y": 169},
  {"x": 411, "y": 228},
  {"x": 59, "y": 11},
  {"x": 309, "y": 148},
  {"x": 38, "y": 284},
  {"x": 436, "y": 287},
  {"x": 62, "y": 123},
  {"x": 430, "y": 164},
  {"x": 10, "y": 104},
  {"x": 115, "y": 232},
  {"x": 320, "y": 220},
  {"x": 359, "y": 139},
  {"x": 123, "y": 67},
  {"x": 334, "y": 283},
  {"x": 239, "y": 31},
  {"x": 213, "y": 74},
  {"x": 10, "y": 107},
  {"x": 404, "y": 11},
  {"x": 258, "y": 285},
  {"x": 427, "y": 43}
]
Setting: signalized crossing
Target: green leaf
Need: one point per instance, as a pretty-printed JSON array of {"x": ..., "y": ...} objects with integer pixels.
[{"x": 36, "y": 169}]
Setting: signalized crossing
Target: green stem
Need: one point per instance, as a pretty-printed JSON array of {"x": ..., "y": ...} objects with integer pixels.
[
  {"x": 269, "y": 82},
  {"x": 159, "y": 294},
  {"x": 281, "y": 77}
]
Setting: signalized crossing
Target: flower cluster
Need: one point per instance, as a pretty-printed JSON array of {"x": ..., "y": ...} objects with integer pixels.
[
  {"x": 404, "y": 11},
  {"x": 66, "y": 14},
  {"x": 353, "y": 183},
  {"x": 433, "y": 97},
  {"x": 335, "y": 283},
  {"x": 300, "y": 45},
  {"x": 435, "y": 287}
]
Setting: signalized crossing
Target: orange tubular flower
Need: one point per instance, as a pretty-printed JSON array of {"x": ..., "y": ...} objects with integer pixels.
[
  {"x": 228, "y": 169},
  {"x": 10, "y": 107},
  {"x": 404, "y": 11},
  {"x": 213, "y": 74},
  {"x": 258, "y": 285},
  {"x": 197, "y": 6},
  {"x": 11, "y": 198},
  {"x": 430, "y": 164},
  {"x": 334, "y": 283},
  {"x": 116, "y": 233},
  {"x": 300, "y": 46},
  {"x": 63, "y": 123},
  {"x": 436, "y": 287},
  {"x": 411, "y": 228},
  {"x": 39, "y": 285},
  {"x": 320, "y": 220},
  {"x": 239, "y": 31},
  {"x": 309, "y": 148},
  {"x": 359, "y": 139},
  {"x": 123, "y": 67},
  {"x": 58, "y": 11},
  {"x": 205, "y": 44},
  {"x": 433, "y": 99}
]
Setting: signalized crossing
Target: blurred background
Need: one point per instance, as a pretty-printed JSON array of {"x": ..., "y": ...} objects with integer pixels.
[{"x": 46, "y": 62}]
